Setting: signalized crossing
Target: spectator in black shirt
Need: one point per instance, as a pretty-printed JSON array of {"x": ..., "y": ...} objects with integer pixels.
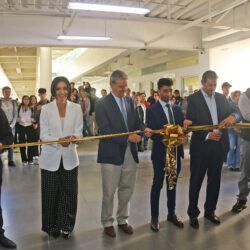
[
  {"x": 92, "y": 122},
  {"x": 151, "y": 99},
  {"x": 178, "y": 98},
  {"x": 6, "y": 138}
]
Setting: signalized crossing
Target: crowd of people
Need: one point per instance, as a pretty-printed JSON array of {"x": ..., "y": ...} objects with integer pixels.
[{"x": 74, "y": 113}]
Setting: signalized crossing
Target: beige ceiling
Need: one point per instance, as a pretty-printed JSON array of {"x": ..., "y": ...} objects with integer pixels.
[{"x": 19, "y": 65}]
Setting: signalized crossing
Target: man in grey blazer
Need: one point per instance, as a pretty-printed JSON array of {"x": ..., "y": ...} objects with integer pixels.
[{"x": 117, "y": 113}]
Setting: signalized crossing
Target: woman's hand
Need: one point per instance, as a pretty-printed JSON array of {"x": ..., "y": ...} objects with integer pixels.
[
  {"x": 64, "y": 144},
  {"x": 74, "y": 137}
]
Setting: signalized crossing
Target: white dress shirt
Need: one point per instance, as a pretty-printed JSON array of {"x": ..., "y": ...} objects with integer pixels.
[{"x": 164, "y": 106}]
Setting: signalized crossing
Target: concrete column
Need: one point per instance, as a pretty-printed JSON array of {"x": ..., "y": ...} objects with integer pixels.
[
  {"x": 204, "y": 63},
  {"x": 45, "y": 70}
]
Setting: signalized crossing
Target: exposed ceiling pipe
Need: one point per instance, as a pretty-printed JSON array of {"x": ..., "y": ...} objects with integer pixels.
[
  {"x": 66, "y": 27},
  {"x": 199, "y": 20}
]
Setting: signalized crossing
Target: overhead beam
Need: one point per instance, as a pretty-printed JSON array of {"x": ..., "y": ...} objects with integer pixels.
[
  {"x": 13, "y": 62},
  {"x": 209, "y": 10},
  {"x": 157, "y": 9},
  {"x": 193, "y": 23},
  {"x": 189, "y": 7},
  {"x": 222, "y": 16},
  {"x": 7, "y": 56}
]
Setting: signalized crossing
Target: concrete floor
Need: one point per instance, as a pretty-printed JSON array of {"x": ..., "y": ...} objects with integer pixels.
[{"x": 22, "y": 212}]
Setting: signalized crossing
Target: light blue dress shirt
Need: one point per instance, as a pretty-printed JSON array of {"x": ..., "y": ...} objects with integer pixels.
[
  {"x": 211, "y": 103},
  {"x": 117, "y": 99},
  {"x": 165, "y": 109}
]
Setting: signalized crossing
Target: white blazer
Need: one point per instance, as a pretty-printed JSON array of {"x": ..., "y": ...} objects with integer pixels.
[{"x": 51, "y": 129}]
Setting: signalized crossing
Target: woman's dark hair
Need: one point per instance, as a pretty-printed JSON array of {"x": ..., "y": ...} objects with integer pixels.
[
  {"x": 54, "y": 83},
  {"x": 25, "y": 96},
  {"x": 89, "y": 86},
  {"x": 32, "y": 97}
]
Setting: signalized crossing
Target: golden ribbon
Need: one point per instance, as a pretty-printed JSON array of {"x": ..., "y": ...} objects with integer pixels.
[{"x": 173, "y": 136}]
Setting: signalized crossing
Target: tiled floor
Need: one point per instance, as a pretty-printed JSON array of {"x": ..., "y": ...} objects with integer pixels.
[{"x": 22, "y": 212}]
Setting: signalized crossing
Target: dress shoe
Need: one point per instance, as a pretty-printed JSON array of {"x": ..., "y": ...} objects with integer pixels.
[
  {"x": 11, "y": 164},
  {"x": 66, "y": 235},
  {"x": 213, "y": 218},
  {"x": 194, "y": 223},
  {"x": 126, "y": 228},
  {"x": 110, "y": 231},
  {"x": 7, "y": 243},
  {"x": 174, "y": 219},
  {"x": 155, "y": 226}
]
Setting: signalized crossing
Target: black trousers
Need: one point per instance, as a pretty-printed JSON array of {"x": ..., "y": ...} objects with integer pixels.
[
  {"x": 158, "y": 180},
  {"x": 59, "y": 199},
  {"x": 1, "y": 215},
  {"x": 34, "y": 138},
  {"x": 209, "y": 161},
  {"x": 25, "y": 135}
]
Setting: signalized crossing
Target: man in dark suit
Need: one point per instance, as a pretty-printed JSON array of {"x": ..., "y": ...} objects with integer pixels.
[
  {"x": 6, "y": 138},
  {"x": 117, "y": 113},
  {"x": 161, "y": 113},
  {"x": 208, "y": 149}
]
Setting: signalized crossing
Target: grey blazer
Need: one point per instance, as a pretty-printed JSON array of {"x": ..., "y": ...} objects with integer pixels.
[{"x": 110, "y": 121}]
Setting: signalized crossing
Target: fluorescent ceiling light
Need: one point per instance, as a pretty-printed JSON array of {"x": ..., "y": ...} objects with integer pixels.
[
  {"x": 18, "y": 70},
  {"x": 219, "y": 35},
  {"x": 97, "y": 38},
  {"x": 108, "y": 8}
]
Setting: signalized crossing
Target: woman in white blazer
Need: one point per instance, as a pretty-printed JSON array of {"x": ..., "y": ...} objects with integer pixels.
[{"x": 59, "y": 120}]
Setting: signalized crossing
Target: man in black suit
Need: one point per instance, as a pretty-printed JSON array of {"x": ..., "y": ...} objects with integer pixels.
[
  {"x": 117, "y": 113},
  {"x": 161, "y": 113},
  {"x": 6, "y": 138},
  {"x": 208, "y": 149}
]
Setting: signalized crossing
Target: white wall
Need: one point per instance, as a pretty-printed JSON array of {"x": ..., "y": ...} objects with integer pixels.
[
  {"x": 231, "y": 63},
  {"x": 134, "y": 83}
]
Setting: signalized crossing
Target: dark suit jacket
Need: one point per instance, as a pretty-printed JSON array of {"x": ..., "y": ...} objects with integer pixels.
[
  {"x": 110, "y": 121},
  {"x": 6, "y": 137},
  {"x": 199, "y": 114},
  {"x": 156, "y": 119}
]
